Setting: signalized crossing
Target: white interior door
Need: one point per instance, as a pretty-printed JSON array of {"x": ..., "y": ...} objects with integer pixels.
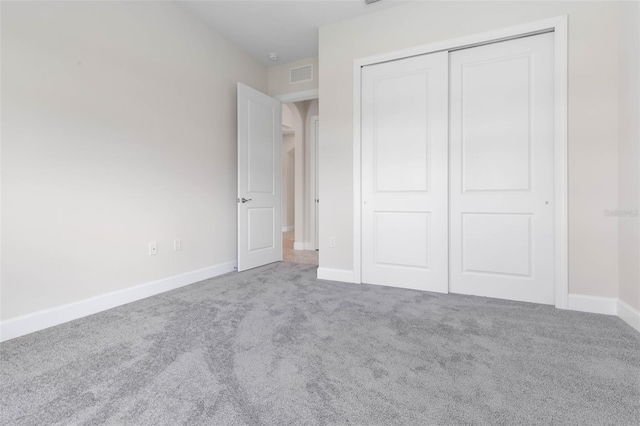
[
  {"x": 259, "y": 179},
  {"x": 404, "y": 173},
  {"x": 502, "y": 184}
]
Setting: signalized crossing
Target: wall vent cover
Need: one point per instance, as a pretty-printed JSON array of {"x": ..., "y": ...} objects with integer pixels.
[{"x": 301, "y": 74}]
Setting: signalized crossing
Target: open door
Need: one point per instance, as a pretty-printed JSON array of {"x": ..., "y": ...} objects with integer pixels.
[{"x": 259, "y": 179}]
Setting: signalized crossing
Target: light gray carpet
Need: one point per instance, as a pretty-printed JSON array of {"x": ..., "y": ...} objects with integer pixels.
[{"x": 274, "y": 346}]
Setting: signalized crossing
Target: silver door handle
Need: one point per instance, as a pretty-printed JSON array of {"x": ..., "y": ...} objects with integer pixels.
[{"x": 245, "y": 200}]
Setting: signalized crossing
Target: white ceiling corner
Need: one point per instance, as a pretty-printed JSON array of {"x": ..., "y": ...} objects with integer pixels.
[{"x": 287, "y": 27}]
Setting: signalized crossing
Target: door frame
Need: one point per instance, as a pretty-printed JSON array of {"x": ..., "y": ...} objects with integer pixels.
[
  {"x": 305, "y": 95},
  {"x": 558, "y": 25},
  {"x": 314, "y": 181}
]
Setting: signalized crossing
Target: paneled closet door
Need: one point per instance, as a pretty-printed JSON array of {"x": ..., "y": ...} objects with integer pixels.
[
  {"x": 502, "y": 162},
  {"x": 404, "y": 173}
]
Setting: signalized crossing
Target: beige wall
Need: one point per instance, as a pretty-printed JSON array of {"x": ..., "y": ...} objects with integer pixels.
[
  {"x": 118, "y": 128},
  {"x": 288, "y": 160},
  {"x": 279, "y": 78},
  {"x": 629, "y": 158},
  {"x": 288, "y": 179},
  {"x": 288, "y": 118},
  {"x": 593, "y": 122}
]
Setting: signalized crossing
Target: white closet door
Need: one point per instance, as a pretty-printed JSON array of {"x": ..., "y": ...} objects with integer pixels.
[
  {"x": 501, "y": 201},
  {"x": 404, "y": 173}
]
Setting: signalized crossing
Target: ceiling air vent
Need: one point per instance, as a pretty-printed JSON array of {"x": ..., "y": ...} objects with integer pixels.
[
  {"x": 301, "y": 74},
  {"x": 368, "y": 2}
]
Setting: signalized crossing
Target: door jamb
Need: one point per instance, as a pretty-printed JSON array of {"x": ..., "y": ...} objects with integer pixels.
[
  {"x": 313, "y": 184},
  {"x": 559, "y": 25},
  {"x": 305, "y": 95}
]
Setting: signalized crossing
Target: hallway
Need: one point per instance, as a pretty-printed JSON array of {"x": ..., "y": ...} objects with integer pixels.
[{"x": 309, "y": 257}]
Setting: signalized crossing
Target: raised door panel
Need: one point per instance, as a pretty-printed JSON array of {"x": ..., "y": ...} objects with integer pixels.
[
  {"x": 496, "y": 244},
  {"x": 261, "y": 235},
  {"x": 261, "y": 164},
  {"x": 401, "y": 229},
  {"x": 401, "y": 137},
  {"x": 496, "y": 119}
]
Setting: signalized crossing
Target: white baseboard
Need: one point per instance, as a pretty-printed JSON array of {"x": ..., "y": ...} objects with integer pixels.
[
  {"x": 593, "y": 304},
  {"x": 629, "y": 314},
  {"x": 606, "y": 306},
  {"x": 303, "y": 246},
  {"x": 288, "y": 228},
  {"x": 342, "y": 275},
  {"x": 46, "y": 318}
]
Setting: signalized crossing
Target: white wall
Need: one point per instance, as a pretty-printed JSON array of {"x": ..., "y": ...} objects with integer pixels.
[
  {"x": 629, "y": 153},
  {"x": 593, "y": 121},
  {"x": 118, "y": 128},
  {"x": 279, "y": 77}
]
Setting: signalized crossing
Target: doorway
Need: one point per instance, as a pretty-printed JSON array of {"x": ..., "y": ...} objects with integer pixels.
[
  {"x": 299, "y": 171},
  {"x": 277, "y": 178}
]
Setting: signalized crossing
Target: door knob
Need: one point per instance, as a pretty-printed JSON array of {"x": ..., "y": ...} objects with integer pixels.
[{"x": 245, "y": 200}]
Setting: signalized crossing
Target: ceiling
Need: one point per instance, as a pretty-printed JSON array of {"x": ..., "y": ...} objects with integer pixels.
[{"x": 288, "y": 28}]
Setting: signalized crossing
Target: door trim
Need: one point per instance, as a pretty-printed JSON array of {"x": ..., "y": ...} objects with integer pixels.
[
  {"x": 559, "y": 25},
  {"x": 313, "y": 182},
  {"x": 304, "y": 95}
]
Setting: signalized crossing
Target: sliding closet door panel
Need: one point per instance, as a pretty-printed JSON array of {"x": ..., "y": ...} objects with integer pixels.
[
  {"x": 502, "y": 170},
  {"x": 404, "y": 173}
]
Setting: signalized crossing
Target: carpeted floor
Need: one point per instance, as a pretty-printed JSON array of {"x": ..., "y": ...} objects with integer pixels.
[{"x": 274, "y": 346}]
